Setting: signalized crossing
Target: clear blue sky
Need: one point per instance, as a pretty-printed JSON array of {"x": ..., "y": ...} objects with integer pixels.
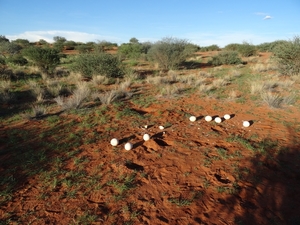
[{"x": 203, "y": 22}]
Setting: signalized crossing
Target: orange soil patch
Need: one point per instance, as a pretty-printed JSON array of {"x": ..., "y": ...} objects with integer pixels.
[{"x": 188, "y": 173}]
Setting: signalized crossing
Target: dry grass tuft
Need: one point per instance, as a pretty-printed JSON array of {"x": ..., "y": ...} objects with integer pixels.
[{"x": 273, "y": 100}]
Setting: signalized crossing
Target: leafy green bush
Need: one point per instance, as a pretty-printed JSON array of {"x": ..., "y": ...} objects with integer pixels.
[
  {"x": 269, "y": 46},
  {"x": 210, "y": 48},
  {"x": 247, "y": 49},
  {"x": 46, "y": 59},
  {"x": 287, "y": 55},
  {"x": 130, "y": 50},
  {"x": 232, "y": 47},
  {"x": 84, "y": 48},
  {"x": 90, "y": 64},
  {"x": 244, "y": 49},
  {"x": 226, "y": 58},
  {"x": 17, "y": 60},
  {"x": 169, "y": 53}
]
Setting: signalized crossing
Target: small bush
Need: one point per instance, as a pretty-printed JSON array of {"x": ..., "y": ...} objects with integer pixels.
[
  {"x": 98, "y": 64},
  {"x": 46, "y": 59},
  {"x": 169, "y": 53},
  {"x": 287, "y": 56},
  {"x": 210, "y": 48},
  {"x": 17, "y": 60},
  {"x": 247, "y": 49},
  {"x": 226, "y": 58}
]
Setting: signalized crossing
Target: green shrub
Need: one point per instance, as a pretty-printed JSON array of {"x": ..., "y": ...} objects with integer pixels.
[
  {"x": 232, "y": 47},
  {"x": 269, "y": 46},
  {"x": 247, "y": 49},
  {"x": 169, "y": 53},
  {"x": 46, "y": 59},
  {"x": 226, "y": 58},
  {"x": 17, "y": 60},
  {"x": 84, "y": 48},
  {"x": 287, "y": 55},
  {"x": 210, "y": 48},
  {"x": 130, "y": 50},
  {"x": 90, "y": 64}
]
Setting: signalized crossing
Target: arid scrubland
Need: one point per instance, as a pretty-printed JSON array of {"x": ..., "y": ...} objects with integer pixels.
[{"x": 61, "y": 108}]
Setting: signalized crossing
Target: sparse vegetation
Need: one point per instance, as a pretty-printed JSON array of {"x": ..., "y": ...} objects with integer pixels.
[{"x": 57, "y": 164}]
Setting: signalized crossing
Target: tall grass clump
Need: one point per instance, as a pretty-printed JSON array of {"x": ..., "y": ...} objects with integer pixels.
[
  {"x": 287, "y": 56},
  {"x": 226, "y": 58},
  {"x": 79, "y": 95},
  {"x": 169, "y": 53},
  {"x": 104, "y": 64}
]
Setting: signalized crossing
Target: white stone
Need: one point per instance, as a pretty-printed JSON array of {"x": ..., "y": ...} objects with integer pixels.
[
  {"x": 193, "y": 118},
  {"x": 146, "y": 137},
  {"x": 128, "y": 146},
  {"x": 114, "y": 142},
  {"x": 161, "y": 127},
  {"x": 208, "y": 118}
]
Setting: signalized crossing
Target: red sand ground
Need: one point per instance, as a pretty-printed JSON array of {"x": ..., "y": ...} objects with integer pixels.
[{"x": 181, "y": 176}]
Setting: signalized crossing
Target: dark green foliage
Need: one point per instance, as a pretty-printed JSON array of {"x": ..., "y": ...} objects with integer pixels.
[
  {"x": 22, "y": 42},
  {"x": 102, "y": 63},
  {"x": 226, "y": 58},
  {"x": 46, "y": 59},
  {"x": 232, "y": 47},
  {"x": 287, "y": 55},
  {"x": 59, "y": 43},
  {"x": 130, "y": 50},
  {"x": 70, "y": 45},
  {"x": 3, "y": 39},
  {"x": 84, "y": 48},
  {"x": 269, "y": 46},
  {"x": 244, "y": 49},
  {"x": 169, "y": 53},
  {"x": 210, "y": 48},
  {"x": 17, "y": 60},
  {"x": 247, "y": 49},
  {"x": 2, "y": 61},
  {"x": 7, "y": 48}
]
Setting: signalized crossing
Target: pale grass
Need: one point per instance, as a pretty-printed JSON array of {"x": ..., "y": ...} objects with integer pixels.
[
  {"x": 36, "y": 89},
  {"x": 220, "y": 82},
  {"x": 99, "y": 79},
  {"x": 54, "y": 87},
  {"x": 171, "y": 89},
  {"x": 5, "y": 85},
  {"x": 73, "y": 78},
  {"x": 259, "y": 67},
  {"x": 203, "y": 88},
  {"x": 206, "y": 74},
  {"x": 232, "y": 95},
  {"x": 81, "y": 93},
  {"x": 273, "y": 100},
  {"x": 257, "y": 87},
  {"x": 110, "y": 96},
  {"x": 38, "y": 111},
  {"x": 125, "y": 84},
  {"x": 286, "y": 83}
]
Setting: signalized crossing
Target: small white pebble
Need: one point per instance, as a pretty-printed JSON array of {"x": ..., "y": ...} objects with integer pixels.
[
  {"x": 208, "y": 118},
  {"x": 128, "y": 146},
  {"x": 161, "y": 127},
  {"x": 114, "y": 142}
]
